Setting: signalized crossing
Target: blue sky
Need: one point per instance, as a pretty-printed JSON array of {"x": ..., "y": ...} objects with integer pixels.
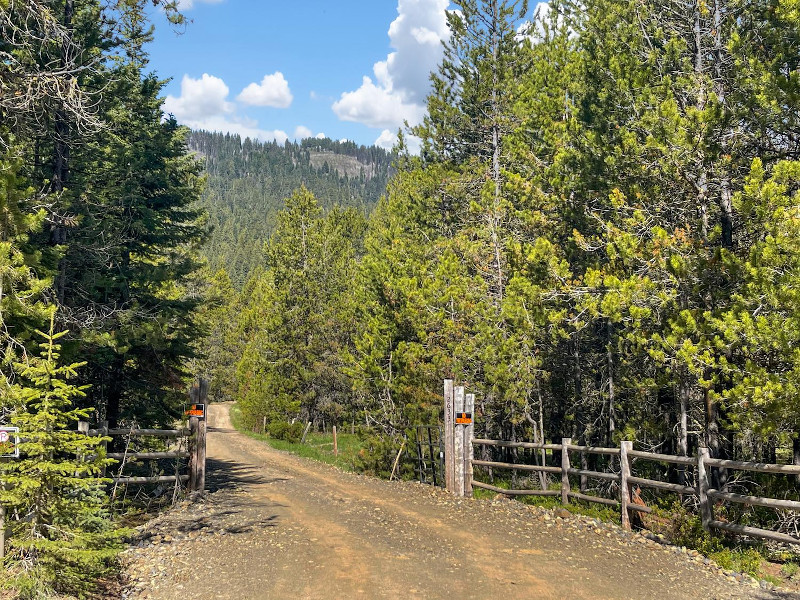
[{"x": 269, "y": 69}]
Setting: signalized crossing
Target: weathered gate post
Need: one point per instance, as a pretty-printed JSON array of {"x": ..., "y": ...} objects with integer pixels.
[
  {"x": 469, "y": 433},
  {"x": 197, "y": 439},
  {"x": 458, "y": 404},
  {"x": 104, "y": 444},
  {"x": 2, "y": 528},
  {"x": 565, "y": 442},
  {"x": 624, "y": 490},
  {"x": 449, "y": 433},
  {"x": 706, "y": 509}
]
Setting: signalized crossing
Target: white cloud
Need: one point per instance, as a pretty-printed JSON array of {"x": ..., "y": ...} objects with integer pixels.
[
  {"x": 272, "y": 91},
  {"x": 301, "y": 133},
  {"x": 416, "y": 35},
  {"x": 199, "y": 98},
  {"x": 203, "y": 104},
  {"x": 401, "y": 82},
  {"x": 386, "y": 139},
  {"x": 236, "y": 125},
  {"x": 376, "y": 106},
  {"x": 187, "y": 4}
]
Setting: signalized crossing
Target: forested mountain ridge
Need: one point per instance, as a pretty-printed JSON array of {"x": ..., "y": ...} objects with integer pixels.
[
  {"x": 599, "y": 237},
  {"x": 248, "y": 182}
]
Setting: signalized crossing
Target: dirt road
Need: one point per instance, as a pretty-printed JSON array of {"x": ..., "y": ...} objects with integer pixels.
[{"x": 278, "y": 526}]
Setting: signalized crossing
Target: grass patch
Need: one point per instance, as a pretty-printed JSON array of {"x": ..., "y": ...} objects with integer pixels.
[
  {"x": 318, "y": 446},
  {"x": 575, "y": 506}
]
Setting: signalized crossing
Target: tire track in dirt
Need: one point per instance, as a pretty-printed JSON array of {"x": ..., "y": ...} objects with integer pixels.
[
  {"x": 279, "y": 526},
  {"x": 485, "y": 557}
]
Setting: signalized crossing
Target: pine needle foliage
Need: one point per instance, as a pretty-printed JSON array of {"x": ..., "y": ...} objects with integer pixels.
[{"x": 61, "y": 538}]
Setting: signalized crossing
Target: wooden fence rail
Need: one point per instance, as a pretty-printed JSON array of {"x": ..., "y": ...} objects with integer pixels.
[
  {"x": 195, "y": 437},
  {"x": 136, "y": 432},
  {"x": 148, "y": 455},
  {"x": 459, "y": 441},
  {"x": 706, "y": 495}
]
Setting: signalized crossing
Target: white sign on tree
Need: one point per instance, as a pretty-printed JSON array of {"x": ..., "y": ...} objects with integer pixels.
[{"x": 9, "y": 442}]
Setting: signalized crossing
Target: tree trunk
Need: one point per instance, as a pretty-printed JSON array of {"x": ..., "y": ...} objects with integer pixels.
[
  {"x": 725, "y": 194},
  {"x": 684, "y": 390},
  {"x": 61, "y": 148},
  {"x": 612, "y": 425},
  {"x": 796, "y": 454},
  {"x": 719, "y": 476}
]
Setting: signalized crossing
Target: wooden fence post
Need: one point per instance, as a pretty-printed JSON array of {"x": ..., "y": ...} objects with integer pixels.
[
  {"x": 624, "y": 492},
  {"x": 194, "y": 423},
  {"x": 204, "y": 385},
  {"x": 104, "y": 444},
  {"x": 564, "y": 467},
  {"x": 449, "y": 433},
  {"x": 198, "y": 394},
  {"x": 83, "y": 427},
  {"x": 2, "y": 528},
  {"x": 458, "y": 405},
  {"x": 201, "y": 456},
  {"x": 305, "y": 433},
  {"x": 706, "y": 509},
  {"x": 335, "y": 442},
  {"x": 194, "y": 393},
  {"x": 469, "y": 434}
]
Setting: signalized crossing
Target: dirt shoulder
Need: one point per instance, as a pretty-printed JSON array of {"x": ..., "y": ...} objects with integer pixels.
[{"x": 279, "y": 526}]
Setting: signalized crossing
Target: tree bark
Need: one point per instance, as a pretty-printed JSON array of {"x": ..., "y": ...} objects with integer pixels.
[
  {"x": 719, "y": 476},
  {"x": 684, "y": 390},
  {"x": 612, "y": 425},
  {"x": 796, "y": 454},
  {"x": 116, "y": 385},
  {"x": 61, "y": 150},
  {"x": 496, "y": 142}
]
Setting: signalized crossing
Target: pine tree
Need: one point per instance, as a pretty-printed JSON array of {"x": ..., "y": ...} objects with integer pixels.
[
  {"x": 53, "y": 491},
  {"x": 298, "y": 320}
]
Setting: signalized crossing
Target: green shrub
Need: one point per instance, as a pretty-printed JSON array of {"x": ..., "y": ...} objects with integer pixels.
[
  {"x": 377, "y": 455},
  {"x": 61, "y": 535},
  {"x": 789, "y": 569},
  {"x": 687, "y": 530},
  {"x": 746, "y": 561},
  {"x": 289, "y": 432}
]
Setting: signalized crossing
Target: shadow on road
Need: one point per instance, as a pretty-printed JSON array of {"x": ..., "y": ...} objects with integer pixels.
[
  {"x": 220, "y": 430},
  {"x": 230, "y": 475},
  {"x": 222, "y": 510}
]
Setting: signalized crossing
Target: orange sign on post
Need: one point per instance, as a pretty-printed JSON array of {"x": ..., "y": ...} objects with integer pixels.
[
  {"x": 196, "y": 410},
  {"x": 463, "y": 418}
]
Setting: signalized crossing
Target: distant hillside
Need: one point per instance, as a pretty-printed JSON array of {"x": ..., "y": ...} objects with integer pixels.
[{"x": 248, "y": 181}]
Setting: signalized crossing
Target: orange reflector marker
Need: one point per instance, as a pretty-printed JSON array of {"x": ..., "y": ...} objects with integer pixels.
[
  {"x": 463, "y": 418},
  {"x": 196, "y": 410}
]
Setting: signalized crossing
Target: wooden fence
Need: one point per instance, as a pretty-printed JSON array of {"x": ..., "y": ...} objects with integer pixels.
[
  {"x": 461, "y": 463},
  {"x": 193, "y": 441},
  {"x": 625, "y": 479}
]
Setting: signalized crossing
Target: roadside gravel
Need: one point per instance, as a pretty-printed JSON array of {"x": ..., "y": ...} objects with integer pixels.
[{"x": 278, "y": 526}]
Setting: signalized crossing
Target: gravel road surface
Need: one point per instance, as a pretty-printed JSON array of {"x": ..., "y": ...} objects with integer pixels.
[{"x": 277, "y": 526}]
